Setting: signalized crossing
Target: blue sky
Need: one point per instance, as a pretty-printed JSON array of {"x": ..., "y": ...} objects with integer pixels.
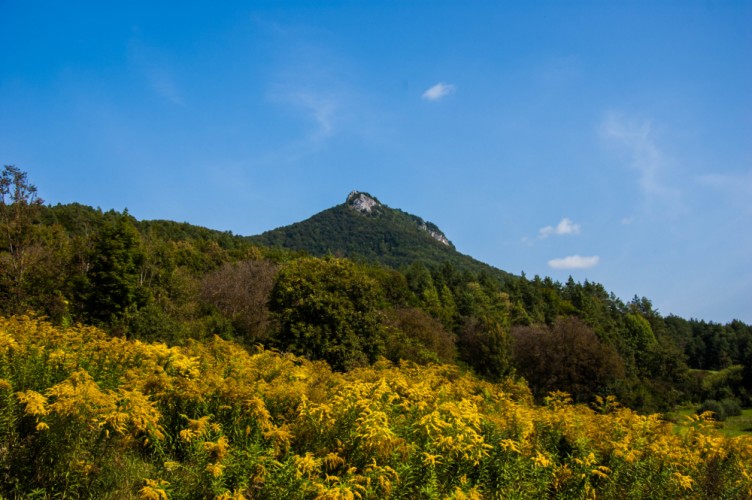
[{"x": 607, "y": 140}]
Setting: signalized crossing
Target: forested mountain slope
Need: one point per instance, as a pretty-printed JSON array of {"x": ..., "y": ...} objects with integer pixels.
[{"x": 364, "y": 229}]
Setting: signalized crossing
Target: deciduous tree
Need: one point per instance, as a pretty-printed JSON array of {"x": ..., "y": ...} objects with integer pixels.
[
  {"x": 567, "y": 356},
  {"x": 19, "y": 245},
  {"x": 240, "y": 291},
  {"x": 327, "y": 309}
]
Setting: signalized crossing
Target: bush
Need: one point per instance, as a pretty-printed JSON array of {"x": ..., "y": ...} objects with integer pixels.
[
  {"x": 719, "y": 413},
  {"x": 240, "y": 291},
  {"x": 414, "y": 335},
  {"x": 731, "y": 407}
]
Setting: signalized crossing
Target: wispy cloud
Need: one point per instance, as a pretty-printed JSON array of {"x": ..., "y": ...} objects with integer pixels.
[
  {"x": 574, "y": 262},
  {"x": 310, "y": 84},
  {"x": 318, "y": 93},
  {"x": 566, "y": 226},
  {"x": 316, "y": 85},
  {"x": 438, "y": 91},
  {"x": 155, "y": 66},
  {"x": 319, "y": 106},
  {"x": 646, "y": 158}
]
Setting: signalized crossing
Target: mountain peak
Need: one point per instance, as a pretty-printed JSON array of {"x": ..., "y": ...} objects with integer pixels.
[
  {"x": 362, "y": 202},
  {"x": 366, "y": 204},
  {"x": 366, "y": 229}
]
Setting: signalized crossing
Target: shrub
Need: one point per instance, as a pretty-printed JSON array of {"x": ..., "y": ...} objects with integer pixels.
[
  {"x": 719, "y": 413},
  {"x": 416, "y": 336},
  {"x": 731, "y": 407}
]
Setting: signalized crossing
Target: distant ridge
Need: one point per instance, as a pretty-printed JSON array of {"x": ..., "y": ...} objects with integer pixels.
[{"x": 363, "y": 228}]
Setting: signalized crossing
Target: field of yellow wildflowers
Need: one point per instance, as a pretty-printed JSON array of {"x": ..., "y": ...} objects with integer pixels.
[{"x": 83, "y": 414}]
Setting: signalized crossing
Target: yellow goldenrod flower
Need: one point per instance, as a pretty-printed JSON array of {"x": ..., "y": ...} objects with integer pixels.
[
  {"x": 685, "y": 482},
  {"x": 154, "y": 490},
  {"x": 215, "y": 469},
  {"x": 540, "y": 460},
  {"x": 35, "y": 402}
]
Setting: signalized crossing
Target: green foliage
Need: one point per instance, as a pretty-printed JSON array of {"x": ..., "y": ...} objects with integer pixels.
[
  {"x": 114, "y": 287},
  {"x": 387, "y": 236},
  {"x": 327, "y": 309},
  {"x": 173, "y": 282},
  {"x": 414, "y": 335},
  {"x": 711, "y": 405},
  {"x": 731, "y": 407},
  {"x": 722, "y": 383},
  {"x": 639, "y": 333},
  {"x": 485, "y": 347},
  {"x": 20, "y": 248},
  {"x": 152, "y": 324}
]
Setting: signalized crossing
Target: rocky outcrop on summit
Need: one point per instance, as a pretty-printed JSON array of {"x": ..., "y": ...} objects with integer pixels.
[{"x": 362, "y": 202}]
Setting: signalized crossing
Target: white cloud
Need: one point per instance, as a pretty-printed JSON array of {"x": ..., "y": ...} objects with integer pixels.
[
  {"x": 318, "y": 93},
  {"x": 566, "y": 226},
  {"x": 319, "y": 106},
  {"x": 309, "y": 82},
  {"x": 319, "y": 110},
  {"x": 651, "y": 164},
  {"x": 574, "y": 262},
  {"x": 438, "y": 91}
]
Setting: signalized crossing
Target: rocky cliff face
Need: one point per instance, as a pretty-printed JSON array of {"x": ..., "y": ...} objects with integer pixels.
[
  {"x": 436, "y": 234},
  {"x": 362, "y": 202},
  {"x": 366, "y": 204}
]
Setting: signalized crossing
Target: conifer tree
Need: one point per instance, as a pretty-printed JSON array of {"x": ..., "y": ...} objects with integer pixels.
[{"x": 113, "y": 288}]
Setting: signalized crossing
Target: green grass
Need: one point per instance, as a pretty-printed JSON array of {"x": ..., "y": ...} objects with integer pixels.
[
  {"x": 737, "y": 426},
  {"x": 733, "y": 426}
]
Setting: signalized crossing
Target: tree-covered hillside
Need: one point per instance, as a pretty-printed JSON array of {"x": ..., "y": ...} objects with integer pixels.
[
  {"x": 377, "y": 234},
  {"x": 174, "y": 282}
]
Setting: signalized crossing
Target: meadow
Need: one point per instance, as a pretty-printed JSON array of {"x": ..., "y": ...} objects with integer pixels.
[{"x": 88, "y": 415}]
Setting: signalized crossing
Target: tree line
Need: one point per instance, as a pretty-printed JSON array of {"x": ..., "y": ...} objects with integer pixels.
[{"x": 172, "y": 282}]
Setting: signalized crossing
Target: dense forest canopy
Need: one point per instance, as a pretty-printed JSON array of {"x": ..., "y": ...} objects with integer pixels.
[{"x": 198, "y": 303}]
